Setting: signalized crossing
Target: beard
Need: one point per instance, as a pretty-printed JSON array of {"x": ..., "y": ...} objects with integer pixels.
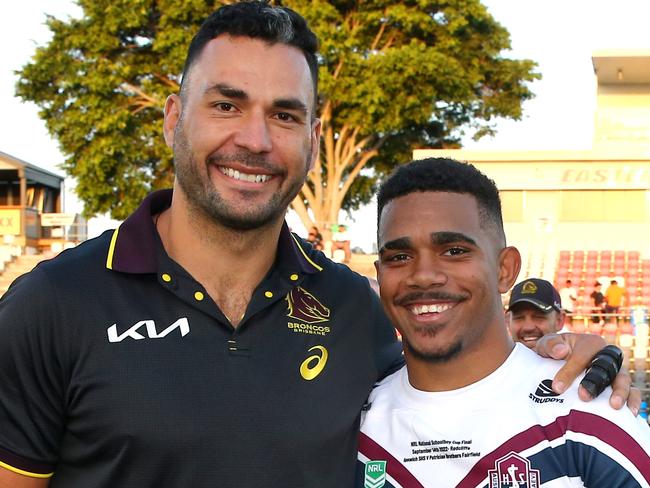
[
  {"x": 203, "y": 196},
  {"x": 436, "y": 356},
  {"x": 433, "y": 355}
]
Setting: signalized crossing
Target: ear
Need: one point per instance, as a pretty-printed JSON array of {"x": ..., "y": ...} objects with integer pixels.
[
  {"x": 376, "y": 263},
  {"x": 173, "y": 110},
  {"x": 559, "y": 323},
  {"x": 316, "y": 127},
  {"x": 509, "y": 266}
]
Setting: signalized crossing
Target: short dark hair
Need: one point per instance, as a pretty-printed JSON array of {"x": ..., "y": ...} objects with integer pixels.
[
  {"x": 257, "y": 20},
  {"x": 444, "y": 175}
]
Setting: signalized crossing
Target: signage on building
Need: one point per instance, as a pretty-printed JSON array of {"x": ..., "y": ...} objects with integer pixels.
[
  {"x": 57, "y": 219},
  {"x": 553, "y": 175},
  {"x": 623, "y": 176},
  {"x": 10, "y": 221}
]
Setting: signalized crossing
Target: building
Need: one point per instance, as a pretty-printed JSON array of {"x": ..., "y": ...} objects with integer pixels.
[
  {"x": 31, "y": 218},
  {"x": 584, "y": 215}
]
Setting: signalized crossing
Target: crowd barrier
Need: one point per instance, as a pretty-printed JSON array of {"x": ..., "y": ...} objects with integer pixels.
[{"x": 629, "y": 330}]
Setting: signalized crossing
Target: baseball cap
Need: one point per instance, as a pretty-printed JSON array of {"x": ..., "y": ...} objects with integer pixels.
[{"x": 538, "y": 292}]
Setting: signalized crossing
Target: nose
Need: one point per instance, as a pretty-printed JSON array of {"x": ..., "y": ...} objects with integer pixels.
[
  {"x": 426, "y": 273},
  {"x": 253, "y": 134},
  {"x": 527, "y": 324}
]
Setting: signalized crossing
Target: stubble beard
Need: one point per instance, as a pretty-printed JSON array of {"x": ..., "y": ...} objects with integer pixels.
[
  {"x": 204, "y": 198},
  {"x": 437, "y": 356}
]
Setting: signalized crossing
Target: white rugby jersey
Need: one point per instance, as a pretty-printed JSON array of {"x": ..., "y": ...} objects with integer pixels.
[{"x": 508, "y": 430}]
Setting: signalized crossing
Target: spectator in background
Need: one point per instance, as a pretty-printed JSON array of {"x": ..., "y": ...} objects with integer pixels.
[
  {"x": 315, "y": 238},
  {"x": 597, "y": 303},
  {"x": 341, "y": 240},
  {"x": 534, "y": 310},
  {"x": 569, "y": 296},
  {"x": 614, "y": 297}
]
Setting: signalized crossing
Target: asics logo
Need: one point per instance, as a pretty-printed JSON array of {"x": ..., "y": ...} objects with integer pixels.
[
  {"x": 314, "y": 364},
  {"x": 148, "y": 327}
]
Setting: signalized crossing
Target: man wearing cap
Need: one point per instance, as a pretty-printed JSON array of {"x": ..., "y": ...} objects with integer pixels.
[{"x": 534, "y": 310}]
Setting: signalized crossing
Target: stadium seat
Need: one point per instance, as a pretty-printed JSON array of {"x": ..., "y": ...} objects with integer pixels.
[{"x": 626, "y": 328}]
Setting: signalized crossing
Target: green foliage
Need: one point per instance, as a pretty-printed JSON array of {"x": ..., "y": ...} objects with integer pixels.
[
  {"x": 404, "y": 74},
  {"x": 101, "y": 84},
  {"x": 415, "y": 73}
]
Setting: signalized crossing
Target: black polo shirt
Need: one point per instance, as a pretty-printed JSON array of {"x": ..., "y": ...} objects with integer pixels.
[{"x": 118, "y": 370}]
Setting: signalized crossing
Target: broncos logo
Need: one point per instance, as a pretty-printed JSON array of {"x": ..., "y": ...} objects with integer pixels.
[{"x": 303, "y": 306}]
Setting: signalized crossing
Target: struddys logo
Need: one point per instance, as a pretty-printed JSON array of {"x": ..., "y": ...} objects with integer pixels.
[
  {"x": 545, "y": 394},
  {"x": 308, "y": 313},
  {"x": 513, "y": 471}
]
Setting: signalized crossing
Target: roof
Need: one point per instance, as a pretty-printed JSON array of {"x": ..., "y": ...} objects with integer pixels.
[
  {"x": 32, "y": 172},
  {"x": 622, "y": 66}
]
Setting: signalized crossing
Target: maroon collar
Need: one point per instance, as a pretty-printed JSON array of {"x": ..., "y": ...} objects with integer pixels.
[{"x": 135, "y": 244}]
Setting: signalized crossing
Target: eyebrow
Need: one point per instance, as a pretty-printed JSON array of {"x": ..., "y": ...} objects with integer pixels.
[
  {"x": 399, "y": 243},
  {"x": 441, "y": 238},
  {"x": 437, "y": 239},
  {"x": 227, "y": 91},
  {"x": 238, "y": 94}
]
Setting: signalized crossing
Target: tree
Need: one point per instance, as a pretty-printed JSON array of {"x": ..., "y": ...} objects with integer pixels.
[{"x": 393, "y": 76}]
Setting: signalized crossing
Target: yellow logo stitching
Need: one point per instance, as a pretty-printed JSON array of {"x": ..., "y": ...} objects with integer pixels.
[
  {"x": 529, "y": 287},
  {"x": 314, "y": 364}
]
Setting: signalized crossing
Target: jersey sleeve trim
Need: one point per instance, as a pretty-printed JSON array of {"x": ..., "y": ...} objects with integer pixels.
[{"x": 19, "y": 465}]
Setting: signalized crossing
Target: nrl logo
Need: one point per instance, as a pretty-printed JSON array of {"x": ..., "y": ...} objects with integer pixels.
[
  {"x": 304, "y": 307},
  {"x": 511, "y": 471},
  {"x": 375, "y": 475}
]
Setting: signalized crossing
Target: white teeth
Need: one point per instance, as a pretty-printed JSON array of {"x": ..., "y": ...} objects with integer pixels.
[
  {"x": 232, "y": 173},
  {"x": 433, "y": 308}
]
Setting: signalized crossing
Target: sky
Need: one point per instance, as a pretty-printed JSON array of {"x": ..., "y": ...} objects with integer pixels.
[{"x": 560, "y": 35}]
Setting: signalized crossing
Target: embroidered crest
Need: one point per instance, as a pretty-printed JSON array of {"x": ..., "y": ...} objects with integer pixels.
[
  {"x": 513, "y": 471},
  {"x": 304, "y": 307},
  {"x": 529, "y": 288}
]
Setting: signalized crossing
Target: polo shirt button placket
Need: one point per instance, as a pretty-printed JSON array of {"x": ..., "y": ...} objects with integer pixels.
[{"x": 168, "y": 281}]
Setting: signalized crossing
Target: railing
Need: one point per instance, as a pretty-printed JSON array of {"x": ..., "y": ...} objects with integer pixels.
[{"x": 627, "y": 329}]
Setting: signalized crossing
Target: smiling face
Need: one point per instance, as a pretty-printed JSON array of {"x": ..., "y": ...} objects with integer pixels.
[
  {"x": 440, "y": 273},
  {"x": 527, "y": 323},
  {"x": 243, "y": 131}
]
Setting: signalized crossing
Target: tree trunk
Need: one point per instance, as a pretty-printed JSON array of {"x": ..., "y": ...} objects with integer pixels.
[{"x": 340, "y": 161}]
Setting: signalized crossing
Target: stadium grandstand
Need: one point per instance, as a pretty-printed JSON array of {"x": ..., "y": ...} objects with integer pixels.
[{"x": 32, "y": 225}]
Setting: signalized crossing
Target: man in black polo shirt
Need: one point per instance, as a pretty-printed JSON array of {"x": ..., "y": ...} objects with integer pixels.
[{"x": 201, "y": 344}]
